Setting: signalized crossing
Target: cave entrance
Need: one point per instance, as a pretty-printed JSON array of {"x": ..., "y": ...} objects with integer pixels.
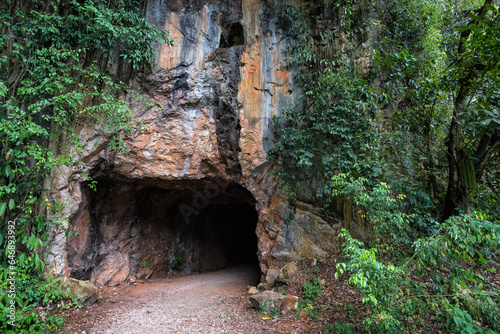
[{"x": 127, "y": 230}]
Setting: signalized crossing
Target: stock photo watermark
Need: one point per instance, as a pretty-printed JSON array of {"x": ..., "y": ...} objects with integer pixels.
[{"x": 11, "y": 279}]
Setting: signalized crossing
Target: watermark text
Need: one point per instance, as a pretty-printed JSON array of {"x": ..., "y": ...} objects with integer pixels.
[{"x": 11, "y": 279}]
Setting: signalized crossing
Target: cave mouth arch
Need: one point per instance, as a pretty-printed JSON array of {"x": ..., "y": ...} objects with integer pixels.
[{"x": 139, "y": 229}]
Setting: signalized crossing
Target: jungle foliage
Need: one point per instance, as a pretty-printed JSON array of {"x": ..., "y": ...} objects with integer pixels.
[
  {"x": 61, "y": 62},
  {"x": 400, "y": 115}
]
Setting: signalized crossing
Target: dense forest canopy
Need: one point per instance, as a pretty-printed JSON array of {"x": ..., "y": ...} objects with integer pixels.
[
  {"x": 428, "y": 100},
  {"x": 411, "y": 133}
]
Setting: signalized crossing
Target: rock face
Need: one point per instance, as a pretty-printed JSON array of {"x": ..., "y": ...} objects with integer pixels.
[{"x": 193, "y": 191}]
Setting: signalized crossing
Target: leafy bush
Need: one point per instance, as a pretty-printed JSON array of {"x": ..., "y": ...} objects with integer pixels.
[
  {"x": 54, "y": 75},
  {"x": 268, "y": 307},
  {"x": 311, "y": 290},
  {"x": 333, "y": 116},
  {"x": 387, "y": 284},
  {"x": 337, "y": 328},
  {"x": 32, "y": 295}
]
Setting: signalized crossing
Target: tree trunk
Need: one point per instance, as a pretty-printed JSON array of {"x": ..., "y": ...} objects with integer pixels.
[{"x": 456, "y": 194}]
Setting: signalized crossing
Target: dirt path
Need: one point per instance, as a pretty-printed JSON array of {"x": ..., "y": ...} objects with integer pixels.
[{"x": 206, "y": 303}]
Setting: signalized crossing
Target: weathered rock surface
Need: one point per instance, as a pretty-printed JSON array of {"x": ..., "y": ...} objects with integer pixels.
[
  {"x": 271, "y": 276},
  {"x": 289, "y": 305},
  {"x": 269, "y": 300},
  {"x": 86, "y": 289},
  {"x": 287, "y": 272},
  {"x": 252, "y": 290},
  {"x": 200, "y": 159}
]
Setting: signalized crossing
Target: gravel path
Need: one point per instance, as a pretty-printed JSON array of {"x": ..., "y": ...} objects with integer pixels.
[{"x": 205, "y": 303}]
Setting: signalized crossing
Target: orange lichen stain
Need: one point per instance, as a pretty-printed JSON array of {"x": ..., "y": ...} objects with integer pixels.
[
  {"x": 249, "y": 87},
  {"x": 169, "y": 159},
  {"x": 305, "y": 249},
  {"x": 282, "y": 76},
  {"x": 169, "y": 55},
  {"x": 142, "y": 140}
]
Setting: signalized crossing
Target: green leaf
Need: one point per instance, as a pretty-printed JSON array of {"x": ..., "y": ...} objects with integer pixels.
[
  {"x": 3, "y": 207},
  {"x": 12, "y": 204},
  {"x": 19, "y": 301},
  {"x": 8, "y": 171}
]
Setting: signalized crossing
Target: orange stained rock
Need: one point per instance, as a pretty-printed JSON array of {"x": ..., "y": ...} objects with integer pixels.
[
  {"x": 249, "y": 87},
  {"x": 169, "y": 55}
]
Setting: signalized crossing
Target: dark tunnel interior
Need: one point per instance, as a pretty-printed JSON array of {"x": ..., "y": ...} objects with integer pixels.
[{"x": 137, "y": 230}]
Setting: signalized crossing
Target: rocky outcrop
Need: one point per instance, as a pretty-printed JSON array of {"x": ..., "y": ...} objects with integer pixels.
[
  {"x": 85, "y": 290},
  {"x": 269, "y": 303},
  {"x": 199, "y": 149}
]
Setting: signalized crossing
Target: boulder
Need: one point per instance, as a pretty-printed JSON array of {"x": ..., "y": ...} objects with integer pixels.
[
  {"x": 269, "y": 300},
  {"x": 287, "y": 272},
  {"x": 252, "y": 290},
  {"x": 86, "y": 289},
  {"x": 271, "y": 276},
  {"x": 289, "y": 305}
]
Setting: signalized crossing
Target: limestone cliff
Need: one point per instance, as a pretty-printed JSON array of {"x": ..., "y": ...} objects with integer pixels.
[{"x": 197, "y": 165}]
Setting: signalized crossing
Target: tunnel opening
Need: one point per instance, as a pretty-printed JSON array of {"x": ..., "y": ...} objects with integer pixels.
[{"x": 129, "y": 230}]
